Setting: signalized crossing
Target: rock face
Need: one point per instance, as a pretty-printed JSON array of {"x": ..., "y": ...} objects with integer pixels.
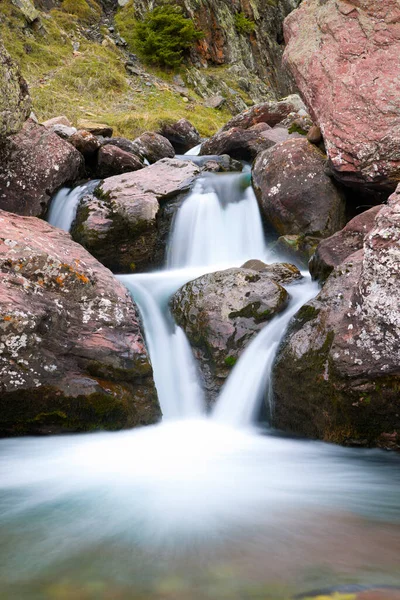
[
  {"x": 335, "y": 249},
  {"x": 15, "y": 102},
  {"x": 34, "y": 163},
  {"x": 344, "y": 57},
  {"x": 221, "y": 312},
  {"x": 153, "y": 147},
  {"x": 72, "y": 356},
  {"x": 182, "y": 135},
  {"x": 337, "y": 375},
  {"x": 295, "y": 195},
  {"x": 121, "y": 226}
]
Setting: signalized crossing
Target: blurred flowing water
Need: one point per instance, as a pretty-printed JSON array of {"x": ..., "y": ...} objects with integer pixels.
[{"x": 201, "y": 505}]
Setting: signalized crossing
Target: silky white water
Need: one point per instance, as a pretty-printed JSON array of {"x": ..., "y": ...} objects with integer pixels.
[
  {"x": 207, "y": 491},
  {"x": 65, "y": 203}
]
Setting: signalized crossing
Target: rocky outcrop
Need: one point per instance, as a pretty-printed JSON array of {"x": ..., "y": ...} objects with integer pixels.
[
  {"x": 221, "y": 312},
  {"x": 14, "y": 97},
  {"x": 335, "y": 249},
  {"x": 337, "y": 375},
  {"x": 120, "y": 225},
  {"x": 295, "y": 195},
  {"x": 182, "y": 135},
  {"x": 72, "y": 356},
  {"x": 344, "y": 57},
  {"x": 153, "y": 147},
  {"x": 34, "y": 163}
]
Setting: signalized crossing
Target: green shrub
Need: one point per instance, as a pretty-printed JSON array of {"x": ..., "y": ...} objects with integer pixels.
[
  {"x": 243, "y": 24},
  {"x": 164, "y": 35}
]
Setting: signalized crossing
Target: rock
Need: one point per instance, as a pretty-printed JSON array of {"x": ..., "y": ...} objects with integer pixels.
[
  {"x": 314, "y": 136},
  {"x": 153, "y": 147},
  {"x": 122, "y": 143},
  {"x": 270, "y": 113},
  {"x": 121, "y": 226},
  {"x": 217, "y": 101},
  {"x": 241, "y": 144},
  {"x": 63, "y": 131},
  {"x": 282, "y": 273},
  {"x": 344, "y": 57},
  {"x": 295, "y": 195},
  {"x": 223, "y": 161},
  {"x": 221, "y": 312},
  {"x": 96, "y": 128},
  {"x": 334, "y": 250},
  {"x": 280, "y": 134},
  {"x": 15, "y": 104},
  {"x": 61, "y": 120},
  {"x": 296, "y": 248},
  {"x": 85, "y": 142},
  {"x": 182, "y": 135},
  {"x": 337, "y": 374},
  {"x": 28, "y": 9},
  {"x": 34, "y": 163},
  {"x": 111, "y": 160},
  {"x": 72, "y": 356}
]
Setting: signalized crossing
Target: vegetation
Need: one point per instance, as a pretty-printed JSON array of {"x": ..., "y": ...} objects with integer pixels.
[
  {"x": 164, "y": 35},
  {"x": 87, "y": 11},
  {"x": 243, "y": 24}
]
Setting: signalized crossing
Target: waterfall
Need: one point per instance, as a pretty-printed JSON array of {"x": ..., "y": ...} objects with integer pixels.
[{"x": 65, "y": 203}]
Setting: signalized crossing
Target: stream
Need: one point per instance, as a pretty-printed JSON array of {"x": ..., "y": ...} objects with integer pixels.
[{"x": 208, "y": 503}]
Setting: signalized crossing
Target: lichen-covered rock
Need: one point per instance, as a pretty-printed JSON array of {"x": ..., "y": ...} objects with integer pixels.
[
  {"x": 335, "y": 249},
  {"x": 72, "y": 356},
  {"x": 96, "y": 128},
  {"x": 221, "y": 312},
  {"x": 337, "y": 375},
  {"x": 242, "y": 144},
  {"x": 111, "y": 160},
  {"x": 153, "y": 147},
  {"x": 344, "y": 57},
  {"x": 86, "y": 143},
  {"x": 28, "y": 9},
  {"x": 295, "y": 194},
  {"x": 121, "y": 226},
  {"x": 34, "y": 163},
  {"x": 271, "y": 113},
  {"x": 15, "y": 102},
  {"x": 282, "y": 273},
  {"x": 182, "y": 135}
]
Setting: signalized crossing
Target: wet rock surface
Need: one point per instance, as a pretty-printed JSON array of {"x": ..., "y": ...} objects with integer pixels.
[
  {"x": 295, "y": 195},
  {"x": 72, "y": 356},
  {"x": 332, "y": 46},
  {"x": 337, "y": 373},
  {"x": 34, "y": 163},
  {"x": 221, "y": 312},
  {"x": 123, "y": 226}
]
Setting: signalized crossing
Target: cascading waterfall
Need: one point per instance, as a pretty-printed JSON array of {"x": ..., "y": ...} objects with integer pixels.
[
  {"x": 65, "y": 203},
  {"x": 102, "y": 506}
]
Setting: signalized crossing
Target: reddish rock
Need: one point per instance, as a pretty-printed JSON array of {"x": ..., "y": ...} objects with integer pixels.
[
  {"x": 96, "y": 128},
  {"x": 337, "y": 375},
  {"x": 295, "y": 194},
  {"x": 242, "y": 144},
  {"x": 123, "y": 227},
  {"x": 335, "y": 249},
  {"x": 85, "y": 142},
  {"x": 344, "y": 57},
  {"x": 61, "y": 120},
  {"x": 111, "y": 160},
  {"x": 271, "y": 113},
  {"x": 72, "y": 356},
  {"x": 34, "y": 163},
  {"x": 314, "y": 135},
  {"x": 182, "y": 135},
  {"x": 153, "y": 147}
]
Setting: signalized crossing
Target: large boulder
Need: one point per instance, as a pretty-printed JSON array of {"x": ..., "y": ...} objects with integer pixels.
[
  {"x": 153, "y": 147},
  {"x": 72, "y": 356},
  {"x": 182, "y": 135},
  {"x": 242, "y": 144},
  {"x": 111, "y": 160},
  {"x": 337, "y": 374},
  {"x": 344, "y": 57},
  {"x": 335, "y": 249},
  {"x": 120, "y": 224},
  {"x": 15, "y": 102},
  {"x": 295, "y": 195},
  {"x": 271, "y": 113},
  {"x": 221, "y": 312},
  {"x": 34, "y": 163}
]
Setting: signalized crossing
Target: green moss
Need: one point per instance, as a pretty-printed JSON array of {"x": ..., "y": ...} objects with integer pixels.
[
  {"x": 230, "y": 361},
  {"x": 243, "y": 24},
  {"x": 87, "y": 11},
  {"x": 296, "y": 128}
]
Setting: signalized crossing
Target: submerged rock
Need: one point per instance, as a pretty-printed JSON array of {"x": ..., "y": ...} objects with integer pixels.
[
  {"x": 344, "y": 57},
  {"x": 72, "y": 356},
  {"x": 221, "y": 312},
  {"x": 296, "y": 196},
  {"x": 121, "y": 226},
  {"x": 34, "y": 163},
  {"x": 337, "y": 374}
]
